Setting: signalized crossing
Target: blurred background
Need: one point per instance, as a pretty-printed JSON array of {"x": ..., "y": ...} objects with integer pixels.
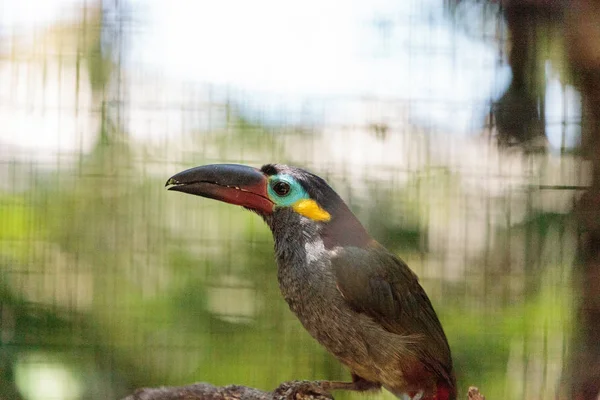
[{"x": 461, "y": 133}]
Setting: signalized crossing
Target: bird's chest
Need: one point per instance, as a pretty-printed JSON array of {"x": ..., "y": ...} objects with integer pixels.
[
  {"x": 308, "y": 284},
  {"x": 311, "y": 293},
  {"x": 305, "y": 276},
  {"x": 309, "y": 290}
]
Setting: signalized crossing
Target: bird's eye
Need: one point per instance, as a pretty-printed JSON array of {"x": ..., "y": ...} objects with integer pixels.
[{"x": 281, "y": 188}]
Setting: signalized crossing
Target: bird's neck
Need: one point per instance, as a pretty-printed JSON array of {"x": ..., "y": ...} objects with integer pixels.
[
  {"x": 303, "y": 247},
  {"x": 304, "y": 271},
  {"x": 344, "y": 230},
  {"x": 298, "y": 240},
  {"x": 294, "y": 233}
]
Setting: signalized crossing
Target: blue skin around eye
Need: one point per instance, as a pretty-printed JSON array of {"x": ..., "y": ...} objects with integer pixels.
[{"x": 296, "y": 193}]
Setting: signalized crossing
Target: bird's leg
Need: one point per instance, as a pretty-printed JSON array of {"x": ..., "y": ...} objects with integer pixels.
[
  {"x": 321, "y": 389},
  {"x": 358, "y": 384},
  {"x": 297, "y": 390}
]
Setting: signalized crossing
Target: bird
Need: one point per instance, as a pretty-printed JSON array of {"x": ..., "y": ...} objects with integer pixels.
[{"x": 357, "y": 299}]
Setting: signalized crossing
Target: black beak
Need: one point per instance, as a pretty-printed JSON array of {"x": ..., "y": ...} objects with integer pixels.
[{"x": 232, "y": 183}]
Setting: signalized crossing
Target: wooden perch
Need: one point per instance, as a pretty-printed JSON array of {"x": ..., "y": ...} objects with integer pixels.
[{"x": 294, "y": 390}]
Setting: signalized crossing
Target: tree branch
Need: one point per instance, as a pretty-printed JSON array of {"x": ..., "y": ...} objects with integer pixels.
[
  {"x": 199, "y": 391},
  {"x": 295, "y": 390}
]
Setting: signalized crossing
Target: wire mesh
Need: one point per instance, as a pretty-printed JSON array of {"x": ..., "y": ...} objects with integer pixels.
[{"x": 108, "y": 283}]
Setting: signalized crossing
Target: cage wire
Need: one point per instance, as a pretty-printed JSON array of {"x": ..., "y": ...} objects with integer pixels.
[{"x": 108, "y": 283}]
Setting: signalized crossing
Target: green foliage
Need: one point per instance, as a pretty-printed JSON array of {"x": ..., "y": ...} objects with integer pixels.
[{"x": 488, "y": 343}]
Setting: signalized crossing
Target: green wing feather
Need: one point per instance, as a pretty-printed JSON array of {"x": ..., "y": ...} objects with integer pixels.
[{"x": 375, "y": 282}]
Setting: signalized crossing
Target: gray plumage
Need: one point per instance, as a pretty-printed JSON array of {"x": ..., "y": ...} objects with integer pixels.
[{"x": 360, "y": 327}]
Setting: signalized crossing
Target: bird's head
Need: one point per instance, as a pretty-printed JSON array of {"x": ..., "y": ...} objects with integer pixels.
[{"x": 284, "y": 196}]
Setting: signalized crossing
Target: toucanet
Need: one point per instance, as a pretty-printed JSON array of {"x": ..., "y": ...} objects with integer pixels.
[{"x": 358, "y": 300}]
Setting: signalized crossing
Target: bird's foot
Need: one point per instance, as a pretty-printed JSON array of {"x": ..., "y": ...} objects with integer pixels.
[{"x": 302, "y": 390}]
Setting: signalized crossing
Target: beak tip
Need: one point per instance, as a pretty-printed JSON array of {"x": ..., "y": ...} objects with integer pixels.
[{"x": 171, "y": 181}]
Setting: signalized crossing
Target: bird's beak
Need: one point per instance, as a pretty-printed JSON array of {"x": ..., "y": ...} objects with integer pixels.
[{"x": 234, "y": 184}]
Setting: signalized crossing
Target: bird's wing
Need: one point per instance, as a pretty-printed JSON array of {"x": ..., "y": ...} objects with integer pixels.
[{"x": 375, "y": 282}]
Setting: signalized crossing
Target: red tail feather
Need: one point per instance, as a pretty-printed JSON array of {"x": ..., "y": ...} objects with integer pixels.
[{"x": 445, "y": 393}]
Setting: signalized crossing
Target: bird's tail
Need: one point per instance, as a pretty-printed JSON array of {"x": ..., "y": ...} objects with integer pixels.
[{"x": 446, "y": 390}]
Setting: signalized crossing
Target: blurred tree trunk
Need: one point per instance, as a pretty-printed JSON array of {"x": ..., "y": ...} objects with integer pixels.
[
  {"x": 583, "y": 44},
  {"x": 519, "y": 113}
]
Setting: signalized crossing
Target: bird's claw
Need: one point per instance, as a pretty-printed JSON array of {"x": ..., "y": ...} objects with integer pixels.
[{"x": 302, "y": 390}]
